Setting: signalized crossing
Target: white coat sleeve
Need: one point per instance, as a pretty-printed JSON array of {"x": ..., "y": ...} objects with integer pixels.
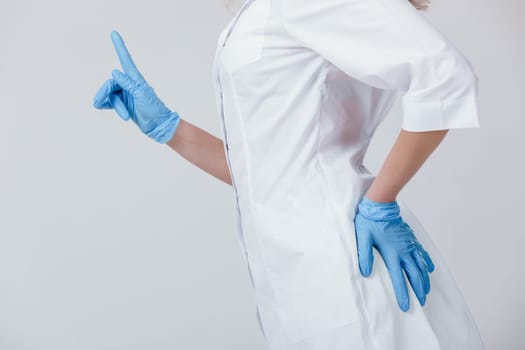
[{"x": 389, "y": 44}]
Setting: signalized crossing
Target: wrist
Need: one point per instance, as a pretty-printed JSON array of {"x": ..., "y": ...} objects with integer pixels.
[
  {"x": 165, "y": 131},
  {"x": 381, "y": 194},
  {"x": 376, "y": 211}
]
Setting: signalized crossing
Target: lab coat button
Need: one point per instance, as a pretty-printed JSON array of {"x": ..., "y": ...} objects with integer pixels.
[{"x": 227, "y": 147}]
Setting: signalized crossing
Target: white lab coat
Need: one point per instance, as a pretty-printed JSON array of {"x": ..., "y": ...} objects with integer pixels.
[{"x": 301, "y": 86}]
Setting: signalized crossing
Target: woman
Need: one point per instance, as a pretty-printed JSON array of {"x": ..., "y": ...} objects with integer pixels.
[{"x": 301, "y": 86}]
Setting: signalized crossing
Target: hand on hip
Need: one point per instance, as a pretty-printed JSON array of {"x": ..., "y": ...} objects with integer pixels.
[{"x": 380, "y": 225}]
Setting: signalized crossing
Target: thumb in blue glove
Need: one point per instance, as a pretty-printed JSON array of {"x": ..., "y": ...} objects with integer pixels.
[
  {"x": 133, "y": 98},
  {"x": 380, "y": 225}
]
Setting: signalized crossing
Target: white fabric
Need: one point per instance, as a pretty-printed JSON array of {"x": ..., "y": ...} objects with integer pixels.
[{"x": 301, "y": 86}]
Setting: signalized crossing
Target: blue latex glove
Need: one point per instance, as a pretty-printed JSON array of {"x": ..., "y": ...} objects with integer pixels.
[
  {"x": 131, "y": 97},
  {"x": 380, "y": 225}
]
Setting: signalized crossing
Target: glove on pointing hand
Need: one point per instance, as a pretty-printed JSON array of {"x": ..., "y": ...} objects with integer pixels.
[{"x": 131, "y": 97}]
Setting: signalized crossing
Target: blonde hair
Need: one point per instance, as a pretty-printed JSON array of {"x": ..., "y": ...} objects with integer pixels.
[{"x": 418, "y": 4}]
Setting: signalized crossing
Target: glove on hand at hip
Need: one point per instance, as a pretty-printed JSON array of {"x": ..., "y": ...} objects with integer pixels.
[
  {"x": 380, "y": 225},
  {"x": 132, "y": 98}
]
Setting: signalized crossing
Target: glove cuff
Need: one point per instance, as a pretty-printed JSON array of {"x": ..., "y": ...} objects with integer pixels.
[
  {"x": 164, "y": 131},
  {"x": 378, "y": 211}
]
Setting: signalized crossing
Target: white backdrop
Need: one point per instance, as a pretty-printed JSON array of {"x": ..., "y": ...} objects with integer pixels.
[{"x": 111, "y": 241}]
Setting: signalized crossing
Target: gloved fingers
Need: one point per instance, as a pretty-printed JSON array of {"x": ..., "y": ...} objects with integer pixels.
[
  {"x": 119, "y": 106},
  {"x": 423, "y": 267},
  {"x": 101, "y": 99},
  {"x": 398, "y": 281},
  {"x": 109, "y": 97},
  {"x": 125, "y": 58},
  {"x": 125, "y": 81},
  {"x": 427, "y": 258},
  {"x": 364, "y": 253},
  {"x": 415, "y": 278}
]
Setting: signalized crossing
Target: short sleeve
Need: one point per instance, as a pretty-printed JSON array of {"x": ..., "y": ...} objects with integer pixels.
[{"x": 388, "y": 44}]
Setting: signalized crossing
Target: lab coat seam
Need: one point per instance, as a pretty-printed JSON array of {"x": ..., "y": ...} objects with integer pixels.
[
  {"x": 246, "y": 149},
  {"x": 217, "y": 69},
  {"x": 251, "y": 201},
  {"x": 228, "y": 30},
  {"x": 362, "y": 318}
]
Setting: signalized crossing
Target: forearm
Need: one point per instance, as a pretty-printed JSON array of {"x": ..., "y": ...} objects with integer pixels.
[
  {"x": 201, "y": 149},
  {"x": 409, "y": 152}
]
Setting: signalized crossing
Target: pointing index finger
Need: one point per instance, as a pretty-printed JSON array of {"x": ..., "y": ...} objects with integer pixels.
[{"x": 125, "y": 58}]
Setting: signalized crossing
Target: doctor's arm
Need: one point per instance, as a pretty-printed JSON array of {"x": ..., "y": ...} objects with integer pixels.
[
  {"x": 409, "y": 152},
  {"x": 378, "y": 221},
  {"x": 201, "y": 149},
  {"x": 133, "y": 98},
  {"x": 389, "y": 45}
]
